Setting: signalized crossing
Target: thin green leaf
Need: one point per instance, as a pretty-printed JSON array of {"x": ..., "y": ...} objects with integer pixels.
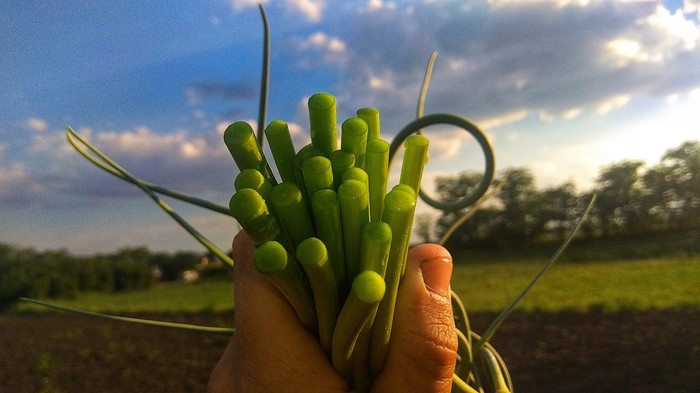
[
  {"x": 164, "y": 206},
  {"x": 502, "y": 316},
  {"x": 265, "y": 77},
  {"x": 424, "y": 87},
  {"x": 153, "y": 187},
  {"x": 141, "y": 321}
]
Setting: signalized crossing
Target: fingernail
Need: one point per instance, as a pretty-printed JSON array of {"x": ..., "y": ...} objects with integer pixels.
[{"x": 437, "y": 274}]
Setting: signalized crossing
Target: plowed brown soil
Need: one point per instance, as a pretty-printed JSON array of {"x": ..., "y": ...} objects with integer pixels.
[{"x": 641, "y": 352}]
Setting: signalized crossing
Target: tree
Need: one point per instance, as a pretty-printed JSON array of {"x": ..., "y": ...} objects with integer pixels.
[
  {"x": 477, "y": 231},
  {"x": 519, "y": 198},
  {"x": 682, "y": 166},
  {"x": 424, "y": 227},
  {"x": 655, "y": 198},
  {"x": 172, "y": 265},
  {"x": 559, "y": 210},
  {"x": 618, "y": 209}
]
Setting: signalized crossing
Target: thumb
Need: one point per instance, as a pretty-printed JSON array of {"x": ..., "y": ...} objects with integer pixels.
[{"x": 423, "y": 347}]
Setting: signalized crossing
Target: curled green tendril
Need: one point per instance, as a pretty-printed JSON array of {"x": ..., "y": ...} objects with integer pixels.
[{"x": 463, "y": 123}]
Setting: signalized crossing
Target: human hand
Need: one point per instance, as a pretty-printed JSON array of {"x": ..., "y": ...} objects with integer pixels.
[{"x": 272, "y": 352}]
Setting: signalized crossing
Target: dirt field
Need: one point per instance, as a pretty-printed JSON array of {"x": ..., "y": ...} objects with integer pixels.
[{"x": 637, "y": 352}]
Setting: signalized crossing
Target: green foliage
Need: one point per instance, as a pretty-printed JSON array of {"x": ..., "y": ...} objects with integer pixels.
[
  {"x": 57, "y": 274},
  {"x": 171, "y": 265},
  {"x": 633, "y": 200}
]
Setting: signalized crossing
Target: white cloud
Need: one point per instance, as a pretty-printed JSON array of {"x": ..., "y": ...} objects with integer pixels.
[
  {"x": 298, "y": 133},
  {"x": 658, "y": 37},
  {"x": 193, "y": 149},
  {"x": 691, "y": 6},
  {"x": 142, "y": 142},
  {"x": 448, "y": 144},
  {"x": 179, "y": 160},
  {"x": 694, "y": 93},
  {"x": 331, "y": 50},
  {"x": 503, "y": 119},
  {"x": 612, "y": 103},
  {"x": 546, "y": 116},
  {"x": 312, "y": 9},
  {"x": 17, "y": 185},
  {"x": 321, "y": 42},
  {"x": 629, "y": 50},
  {"x": 572, "y": 113},
  {"x": 678, "y": 29},
  {"x": 376, "y": 5},
  {"x": 558, "y": 3},
  {"x": 36, "y": 124},
  {"x": 385, "y": 81},
  {"x": 239, "y": 5}
]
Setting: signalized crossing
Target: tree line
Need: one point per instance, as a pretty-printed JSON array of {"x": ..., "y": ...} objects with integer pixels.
[
  {"x": 25, "y": 272},
  {"x": 633, "y": 198}
]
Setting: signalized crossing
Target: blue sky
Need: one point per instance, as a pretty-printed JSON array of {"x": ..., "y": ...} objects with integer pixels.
[{"x": 562, "y": 87}]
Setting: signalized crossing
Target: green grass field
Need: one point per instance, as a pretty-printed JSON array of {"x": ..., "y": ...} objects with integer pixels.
[
  {"x": 175, "y": 297},
  {"x": 663, "y": 283}
]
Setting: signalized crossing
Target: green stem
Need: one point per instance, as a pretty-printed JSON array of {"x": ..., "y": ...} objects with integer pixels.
[
  {"x": 376, "y": 243},
  {"x": 414, "y": 159},
  {"x": 252, "y": 178},
  {"x": 318, "y": 175},
  {"x": 399, "y": 210},
  {"x": 272, "y": 260},
  {"x": 302, "y": 155},
  {"x": 460, "y": 317},
  {"x": 282, "y": 148},
  {"x": 459, "y": 386},
  {"x": 250, "y": 210},
  {"x": 353, "y": 139},
  {"x": 494, "y": 371},
  {"x": 356, "y": 173},
  {"x": 424, "y": 87},
  {"x": 313, "y": 257},
  {"x": 366, "y": 292},
  {"x": 340, "y": 162},
  {"x": 293, "y": 213},
  {"x": 265, "y": 76},
  {"x": 377, "y": 168},
  {"x": 245, "y": 150},
  {"x": 354, "y": 213},
  {"x": 371, "y": 117},
  {"x": 407, "y": 189},
  {"x": 323, "y": 123},
  {"x": 326, "y": 209},
  {"x": 464, "y": 352},
  {"x": 361, "y": 376}
]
